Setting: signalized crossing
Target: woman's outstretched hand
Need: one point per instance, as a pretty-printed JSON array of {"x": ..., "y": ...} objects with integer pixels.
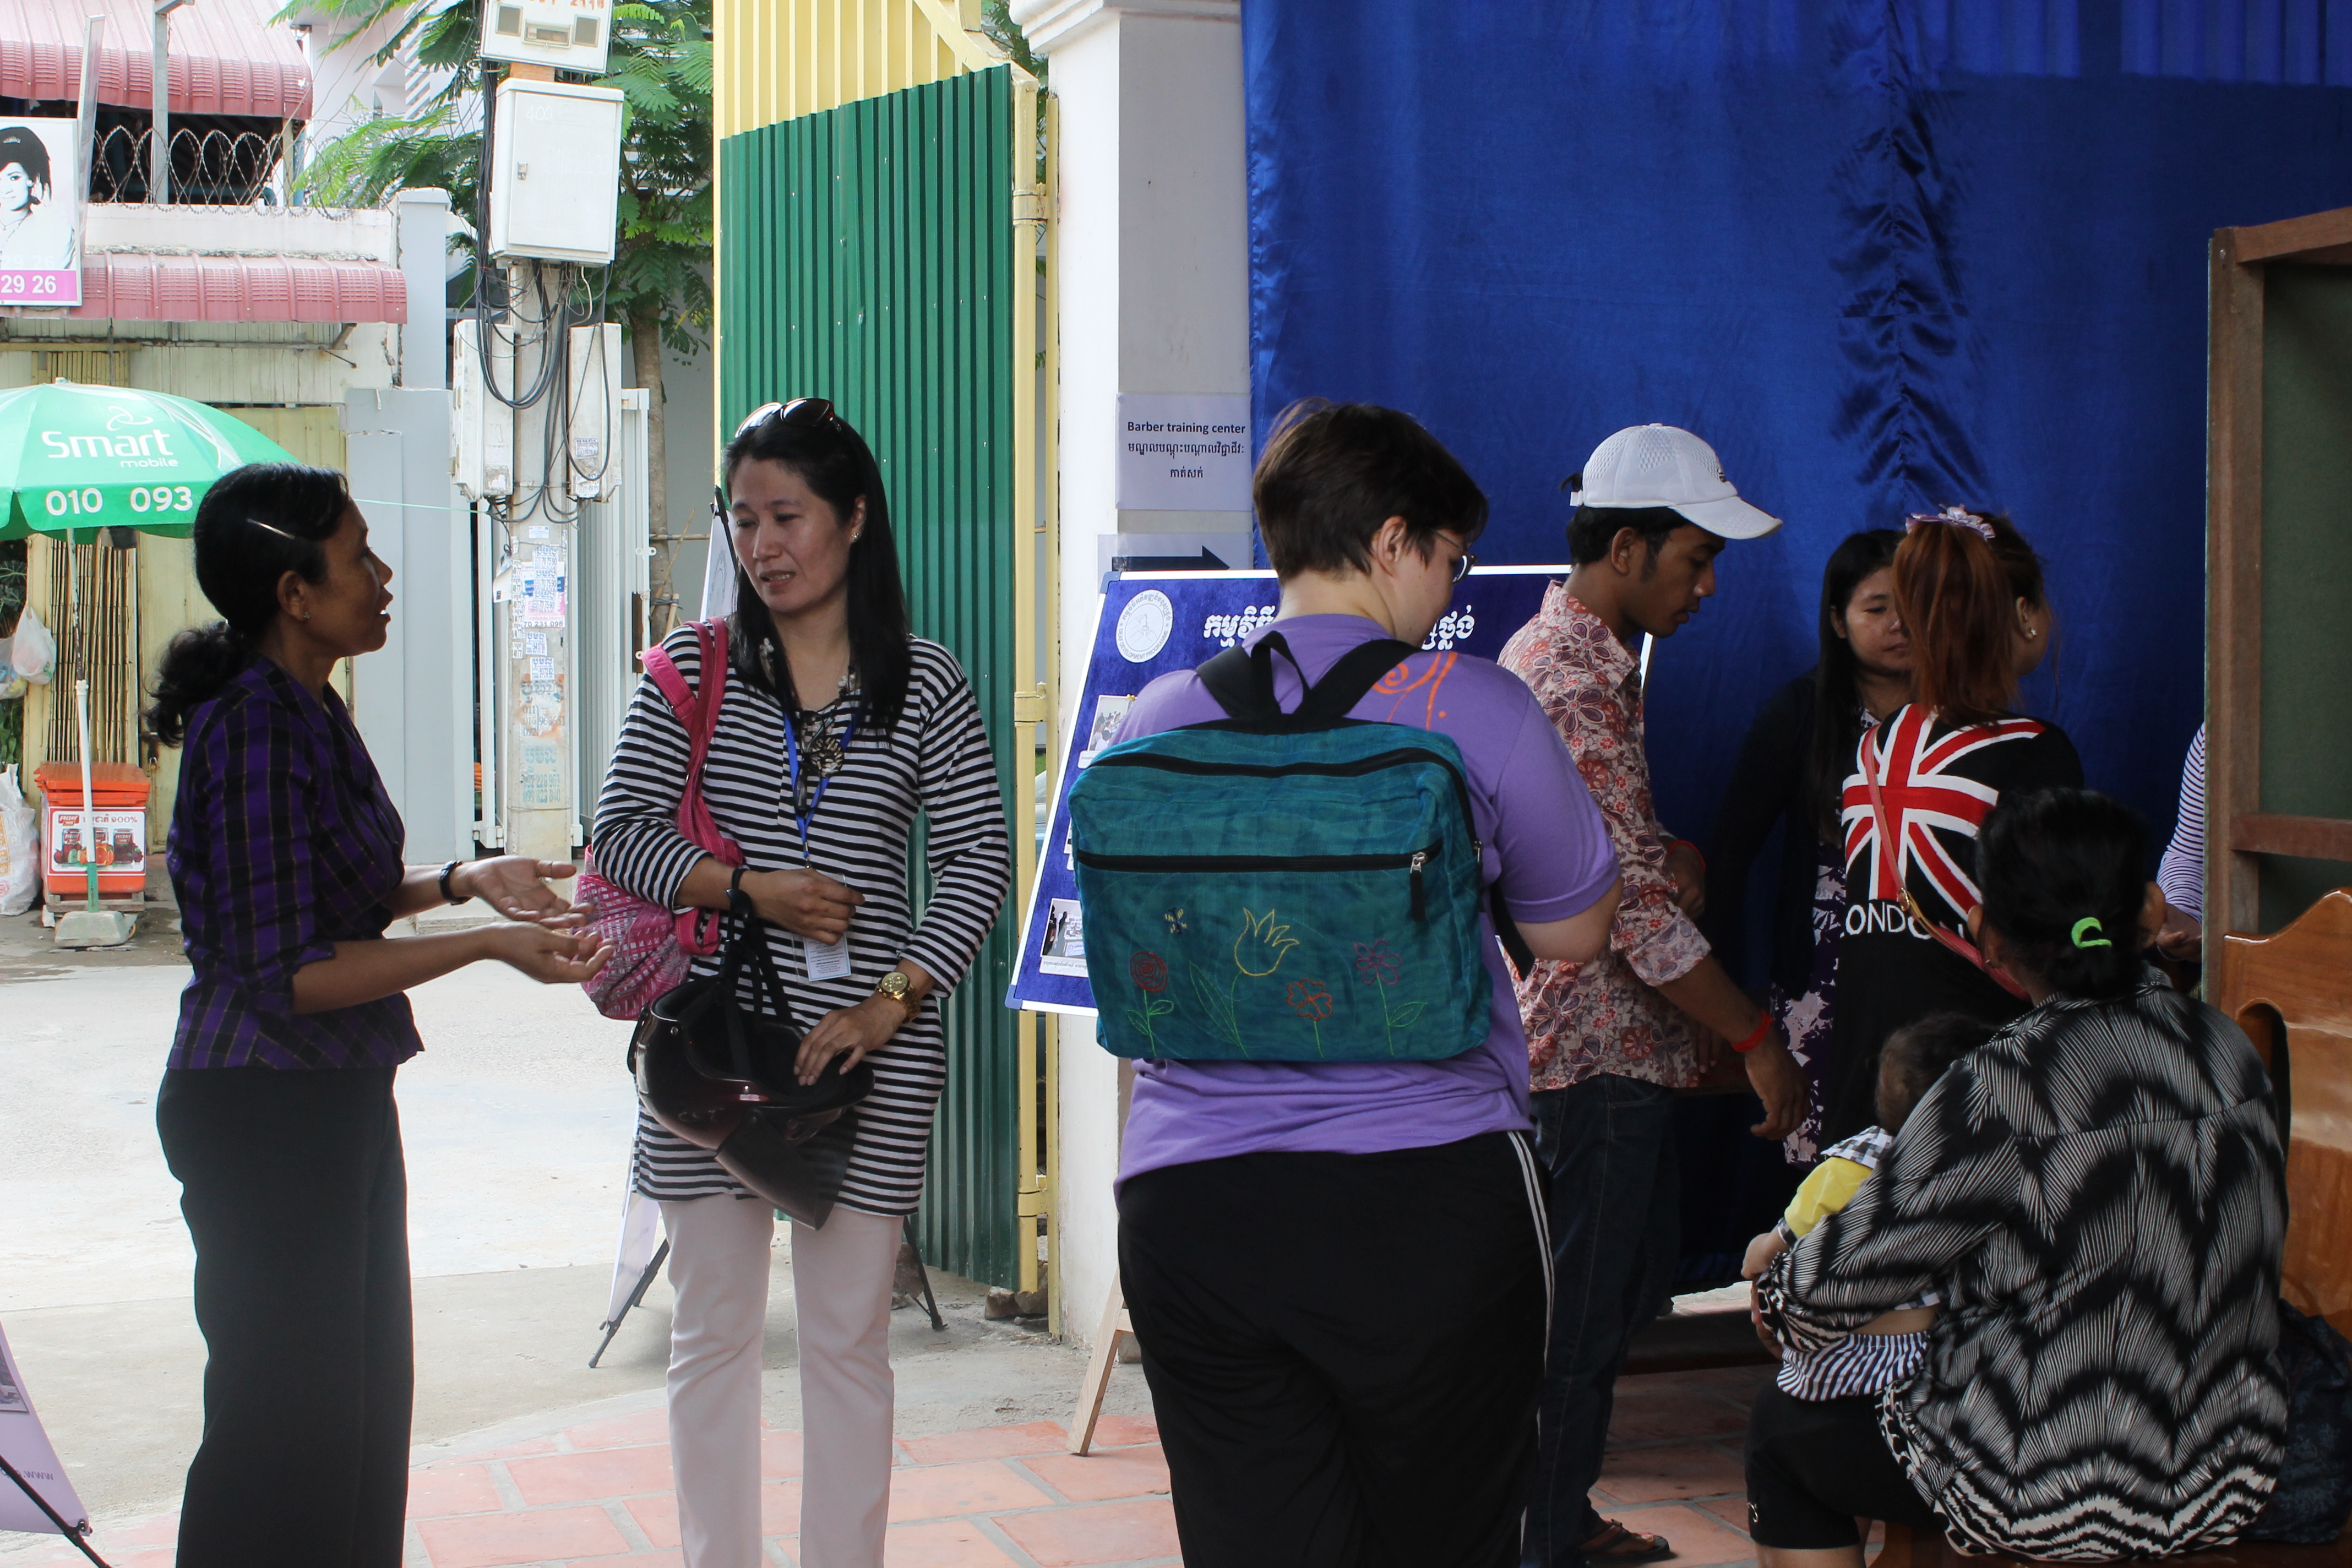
[
  {"x": 549, "y": 956},
  {"x": 807, "y": 903},
  {"x": 850, "y": 1032},
  {"x": 516, "y": 885}
]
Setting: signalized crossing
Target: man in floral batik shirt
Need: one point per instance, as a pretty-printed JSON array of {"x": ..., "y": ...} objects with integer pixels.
[{"x": 1609, "y": 1040}]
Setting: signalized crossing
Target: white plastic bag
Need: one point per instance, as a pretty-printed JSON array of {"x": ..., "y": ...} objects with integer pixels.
[
  {"x": 34, "y": 652},
  {"x": 20, "y": 866}
]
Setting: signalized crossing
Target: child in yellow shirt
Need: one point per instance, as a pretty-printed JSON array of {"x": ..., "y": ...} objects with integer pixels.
[{"x": 1887, "y": 1349}]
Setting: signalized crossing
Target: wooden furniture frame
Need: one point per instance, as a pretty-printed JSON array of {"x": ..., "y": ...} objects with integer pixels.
[
  {"x": 2292, "y": 992},
  {"x": 2237, "y": 829}
]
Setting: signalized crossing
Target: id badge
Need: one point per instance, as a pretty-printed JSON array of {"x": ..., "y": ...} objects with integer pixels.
[{"x": 826, "y": 960}]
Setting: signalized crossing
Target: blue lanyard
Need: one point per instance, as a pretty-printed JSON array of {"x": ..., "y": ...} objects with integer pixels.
[{"x": 793, "y": 760}]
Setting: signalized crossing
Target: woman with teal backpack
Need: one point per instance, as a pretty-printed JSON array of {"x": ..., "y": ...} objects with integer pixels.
[{"x": 1266, "y": 1206}]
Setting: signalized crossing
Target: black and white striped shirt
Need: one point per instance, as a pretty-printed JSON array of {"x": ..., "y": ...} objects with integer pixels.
[
  {"x": 2099, "y": 1197},
  {"x": 935, "y": 762}
]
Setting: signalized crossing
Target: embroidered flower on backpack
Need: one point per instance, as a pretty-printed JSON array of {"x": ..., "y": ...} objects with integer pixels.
[
  {"x": 1261, "y": 941},
  {"x": 1383, "y": 968},
  {"x": 1150, "y": 972},
  {"x": 1311, "y": 1000},
  {"x": 1175, "y": 918}
]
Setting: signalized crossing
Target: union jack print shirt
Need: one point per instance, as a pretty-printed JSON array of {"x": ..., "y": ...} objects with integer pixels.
[{"x": 1940, "y": 781}]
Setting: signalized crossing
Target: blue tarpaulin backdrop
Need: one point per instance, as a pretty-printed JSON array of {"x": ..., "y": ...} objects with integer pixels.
[{"x": 1883, "y": 253}]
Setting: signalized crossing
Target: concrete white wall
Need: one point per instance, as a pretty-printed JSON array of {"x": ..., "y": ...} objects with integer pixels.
[{"x": 1153, "y": 256}]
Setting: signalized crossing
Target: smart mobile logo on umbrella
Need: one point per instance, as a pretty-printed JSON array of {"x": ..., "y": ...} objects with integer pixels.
[
  {"x": 75, "y": 455},
  {"x": 151, "y": 446}
]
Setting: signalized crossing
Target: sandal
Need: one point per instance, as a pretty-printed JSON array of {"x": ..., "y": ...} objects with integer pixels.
[{"x": 1616, "y": 1545}]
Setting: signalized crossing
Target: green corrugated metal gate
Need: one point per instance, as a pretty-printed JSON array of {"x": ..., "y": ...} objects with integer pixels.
[{"x": 868, "y": 254}]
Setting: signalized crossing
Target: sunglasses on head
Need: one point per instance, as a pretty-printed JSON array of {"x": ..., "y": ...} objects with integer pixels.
[{"x": 799, "y": 411}]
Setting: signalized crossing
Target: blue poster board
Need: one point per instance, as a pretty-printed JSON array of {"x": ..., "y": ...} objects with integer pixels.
[{"x": 1147, "y": 625}]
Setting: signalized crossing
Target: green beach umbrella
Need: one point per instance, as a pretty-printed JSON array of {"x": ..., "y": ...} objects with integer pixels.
[{"x": 75, "y": 457}]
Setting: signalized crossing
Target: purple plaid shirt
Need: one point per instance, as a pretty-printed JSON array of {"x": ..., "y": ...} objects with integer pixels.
[{"x": 283, "y": 843}]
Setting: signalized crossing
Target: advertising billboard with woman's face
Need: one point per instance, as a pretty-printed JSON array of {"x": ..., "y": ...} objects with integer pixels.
[{"x": 40, "y": 229}]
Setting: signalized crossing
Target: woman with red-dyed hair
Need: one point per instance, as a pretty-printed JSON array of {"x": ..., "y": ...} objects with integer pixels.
[{"x": 1970, "y": 593}]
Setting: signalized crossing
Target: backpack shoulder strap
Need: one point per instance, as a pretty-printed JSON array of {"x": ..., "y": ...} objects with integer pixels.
[
  {"x": 1343, "y": 685},
  {"x": 1515, "y": 945},
  {"x": 1242, "y": 687},
  {"x": 1243, "y": 682}
]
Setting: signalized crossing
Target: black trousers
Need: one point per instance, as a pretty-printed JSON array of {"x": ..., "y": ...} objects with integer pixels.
[
  {"x": 1814, "y": 1465},
  {"x": 298, "y": 1201},
  {"x": 1344, "y": 1350}
]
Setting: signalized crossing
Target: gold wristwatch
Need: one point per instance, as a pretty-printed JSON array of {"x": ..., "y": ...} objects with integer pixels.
[{"x": 897, "y": 985}]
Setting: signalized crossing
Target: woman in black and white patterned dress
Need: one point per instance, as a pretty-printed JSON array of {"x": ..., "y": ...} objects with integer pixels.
[
  {"x": 836, "y": 730},
  {"x": 2098, "y": 1196}
]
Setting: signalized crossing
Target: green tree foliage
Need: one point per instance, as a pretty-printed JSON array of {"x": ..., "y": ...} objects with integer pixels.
[
  {"x": 659, "y": 282},
  {"x": 660, "y": 61}
]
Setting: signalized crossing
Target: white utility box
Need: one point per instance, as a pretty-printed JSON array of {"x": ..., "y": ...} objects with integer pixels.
[
  {"x": 570, "y": 34},
  {"x": 555, "y": 185},
  {"x": 593, "y": 443},
  {"x": 482, "y": 428}
]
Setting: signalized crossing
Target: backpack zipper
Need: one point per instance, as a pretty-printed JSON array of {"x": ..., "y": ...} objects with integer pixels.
[
  {"x": 1374, "y": 763},
  {"x": 1411, "y": 864}
]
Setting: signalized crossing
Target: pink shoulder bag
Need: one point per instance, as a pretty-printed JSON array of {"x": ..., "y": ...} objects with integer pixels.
[{"x": 653, "y": 947}]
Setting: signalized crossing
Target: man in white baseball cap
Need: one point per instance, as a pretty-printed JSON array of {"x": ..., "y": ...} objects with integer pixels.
[{"x": 1611, "y": 1040}]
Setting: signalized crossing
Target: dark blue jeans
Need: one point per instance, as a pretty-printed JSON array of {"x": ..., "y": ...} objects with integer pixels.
[{"x": 1616, "y": 1235}]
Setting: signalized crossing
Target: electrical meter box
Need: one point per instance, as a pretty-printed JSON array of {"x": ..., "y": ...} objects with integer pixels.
[
  {"x": 555, "y": 179},
  {"x": 570, "y": 34}
]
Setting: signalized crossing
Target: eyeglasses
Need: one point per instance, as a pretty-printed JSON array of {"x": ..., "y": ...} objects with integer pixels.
[
  {"x": 799, "y": 411},
  {"x": 1462, "y": 564}
]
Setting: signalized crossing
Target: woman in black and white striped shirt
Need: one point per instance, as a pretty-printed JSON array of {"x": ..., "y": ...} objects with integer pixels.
[{"x": 837, "y": 727}]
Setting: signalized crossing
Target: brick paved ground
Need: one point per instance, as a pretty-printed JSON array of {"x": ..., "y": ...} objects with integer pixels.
[{"x": 1006, "y": 1497}]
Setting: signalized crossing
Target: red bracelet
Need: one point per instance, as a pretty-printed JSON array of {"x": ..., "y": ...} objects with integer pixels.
[
  {"x": 1672, "y": 844},
  {"x": 1763, "y": 1027}
]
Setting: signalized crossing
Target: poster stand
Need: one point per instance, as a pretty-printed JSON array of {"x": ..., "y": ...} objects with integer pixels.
[
  {"x": 25, "y": 1447},
  {"x": 67, "y": 1530}
]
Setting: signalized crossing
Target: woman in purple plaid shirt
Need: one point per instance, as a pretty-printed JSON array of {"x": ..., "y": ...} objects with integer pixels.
[{"x": 276, "y": 1110}]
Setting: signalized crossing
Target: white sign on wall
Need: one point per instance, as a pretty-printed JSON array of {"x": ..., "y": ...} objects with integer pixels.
[
  {"x": 1183, "y": 452},
  {"x": 40, "y": 234},
  {"x": 570, "y": 34}
]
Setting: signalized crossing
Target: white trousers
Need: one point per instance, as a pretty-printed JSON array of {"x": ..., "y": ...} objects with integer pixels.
[{"x": 841, "y": 1292}]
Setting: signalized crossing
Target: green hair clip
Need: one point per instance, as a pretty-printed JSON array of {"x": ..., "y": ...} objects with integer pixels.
[{"x": 2090, "y": 922}]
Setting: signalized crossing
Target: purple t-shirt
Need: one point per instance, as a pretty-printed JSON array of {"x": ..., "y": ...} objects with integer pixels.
[{"x": 1545, "y": 841}]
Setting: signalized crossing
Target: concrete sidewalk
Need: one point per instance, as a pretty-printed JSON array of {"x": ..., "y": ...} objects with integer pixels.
[{"x": 592, "y": 1487}]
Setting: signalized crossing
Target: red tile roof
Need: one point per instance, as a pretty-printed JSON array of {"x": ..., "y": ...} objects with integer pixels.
[
  {"x": 227, "y": 56},
  {"x": 129, "y": 286}
]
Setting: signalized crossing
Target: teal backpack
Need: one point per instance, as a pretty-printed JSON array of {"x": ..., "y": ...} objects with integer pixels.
[{"x": 1285, "y": 887}]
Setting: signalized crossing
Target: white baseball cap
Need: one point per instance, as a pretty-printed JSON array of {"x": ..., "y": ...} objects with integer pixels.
[{"x": 1661, "y": 465}]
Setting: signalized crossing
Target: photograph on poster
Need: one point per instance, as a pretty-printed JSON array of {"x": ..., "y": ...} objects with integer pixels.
[
  {"x": 1064, "y": 951},
  {"x": 1110, "y": 712},
  {"x": 40, "y": 238}
]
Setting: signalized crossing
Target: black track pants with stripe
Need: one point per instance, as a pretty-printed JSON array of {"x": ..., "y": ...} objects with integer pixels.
[{"x": 1344, "y": 1350}]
